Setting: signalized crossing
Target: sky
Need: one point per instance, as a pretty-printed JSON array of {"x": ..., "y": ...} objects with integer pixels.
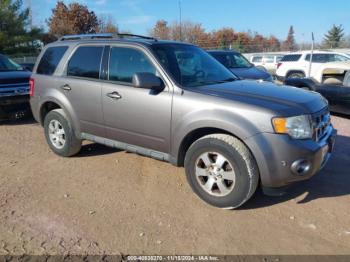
[{"x": 267, "y": 17}]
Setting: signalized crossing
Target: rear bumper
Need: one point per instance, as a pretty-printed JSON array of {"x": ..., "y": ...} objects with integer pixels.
[{"x": 283, "y": 160}]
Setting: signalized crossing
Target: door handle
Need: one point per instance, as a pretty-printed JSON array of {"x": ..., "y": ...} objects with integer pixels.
[
  {"x": 114, "y": 95},
  {"x": 66, "y": 87}
]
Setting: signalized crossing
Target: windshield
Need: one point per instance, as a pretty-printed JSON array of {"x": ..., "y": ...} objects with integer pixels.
[
  {"x": 191, "y": 66},
  {"x": 232, "y": 60},
  {"x": 7, "y": 64}
]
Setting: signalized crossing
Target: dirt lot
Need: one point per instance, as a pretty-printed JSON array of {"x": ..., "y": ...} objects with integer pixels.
[{"x": 105, "y": 201}]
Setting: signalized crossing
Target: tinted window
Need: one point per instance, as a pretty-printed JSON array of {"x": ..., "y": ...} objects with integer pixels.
[
  {"x": 86, "y": 62},
  {"x": 325, "y": 58},
  {"x": 125, "y": 62},
  {"x": 318, "y": 58},
  {"x": 290, "y": 58},
  {"x": 51, "y": 59},
  {"x": 232, "y": 60},
  {"x": 191, "y": 66},
  {"x": 7, "y": 64},
  {"x": 257, "y": 59}
]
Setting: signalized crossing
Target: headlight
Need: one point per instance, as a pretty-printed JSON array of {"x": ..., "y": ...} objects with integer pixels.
[{"x": 298, "y": 127}]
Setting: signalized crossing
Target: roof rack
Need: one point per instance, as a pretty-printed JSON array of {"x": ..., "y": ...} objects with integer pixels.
[
  {"x": 85, "y": 36},
  {"x": 137, "y": 36},
  {"x": 104, "y": 35}
]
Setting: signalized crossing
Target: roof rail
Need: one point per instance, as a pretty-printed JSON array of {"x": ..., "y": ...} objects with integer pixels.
[
  {"x": 103, "y": 35},
  {"x": 137, "y": 36},
  {"x": 85, "y": 36}
]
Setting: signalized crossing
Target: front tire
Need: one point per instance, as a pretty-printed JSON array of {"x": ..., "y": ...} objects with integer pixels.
[
  {"x": 60, "y": 135},
  {"x": 221, "y": 171}
]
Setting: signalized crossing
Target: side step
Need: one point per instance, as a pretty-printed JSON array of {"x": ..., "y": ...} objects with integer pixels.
[{"x": 127, "y": 147}]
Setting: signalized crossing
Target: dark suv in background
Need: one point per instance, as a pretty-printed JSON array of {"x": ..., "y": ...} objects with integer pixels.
[
  {"x": 240, "y": 66},
  {"x": 174, "y": 102},
  {"x": 14, "y": 89}
]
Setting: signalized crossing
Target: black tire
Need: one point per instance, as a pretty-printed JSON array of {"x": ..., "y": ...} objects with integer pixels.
[
  {"x": 296, "y": 75},
  {"x": 237, "y": 155},
  {"x": 72, "y": 144}
]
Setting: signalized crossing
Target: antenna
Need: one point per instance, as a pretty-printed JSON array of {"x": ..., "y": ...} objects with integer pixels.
[
  {"x": 180, "y": 14},
  {"x": 30, "y": 7}
]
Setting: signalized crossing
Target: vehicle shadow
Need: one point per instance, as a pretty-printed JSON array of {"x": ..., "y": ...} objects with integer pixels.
[
  {"x": 28, "y": 120},
  {"x": 341, "y": 115},
  {"x": 332, "y": 181},
  {"x": 94, "y": 149}
]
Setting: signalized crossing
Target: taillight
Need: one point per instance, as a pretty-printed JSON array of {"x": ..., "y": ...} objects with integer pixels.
[
  {"x": 31, "y": 87},
  {"x": 278, "y": 65}
]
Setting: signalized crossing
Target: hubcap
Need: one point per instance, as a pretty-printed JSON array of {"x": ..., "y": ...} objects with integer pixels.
[
  {"x": 57, "y": 134},
  {"x": 215, "y": 174}
]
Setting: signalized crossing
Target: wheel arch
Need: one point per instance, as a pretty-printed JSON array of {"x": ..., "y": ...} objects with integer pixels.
[
  {"x": 293, "y": 71},
  {"x": 51, "y": 103},
  {"x": 198, "y": 133}
]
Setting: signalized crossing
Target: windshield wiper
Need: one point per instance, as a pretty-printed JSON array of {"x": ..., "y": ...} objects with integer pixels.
[{"x": 231, "y": 79}]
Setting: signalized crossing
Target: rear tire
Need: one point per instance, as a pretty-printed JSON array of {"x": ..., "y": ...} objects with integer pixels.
[
  {"x": 60, "y": 135},
  {"x": 296, "y": 75},
  {"x": 221, "y": 171}
]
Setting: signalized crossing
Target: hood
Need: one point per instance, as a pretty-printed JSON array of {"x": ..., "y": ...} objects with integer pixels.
[
  {"x": 14, "y": 77},
  {"x": 250, "y": 73},
  {"x": 283, "y": 100}
]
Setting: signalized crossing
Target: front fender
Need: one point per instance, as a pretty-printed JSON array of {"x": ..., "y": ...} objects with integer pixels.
[{"x": 236, "y": 125}]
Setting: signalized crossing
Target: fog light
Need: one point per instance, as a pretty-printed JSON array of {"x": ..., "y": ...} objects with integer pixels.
[{"x": 301, "y": 167}]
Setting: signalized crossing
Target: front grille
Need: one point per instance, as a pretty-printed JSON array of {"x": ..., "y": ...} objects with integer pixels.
[
  {"x": 321, "y": 121},
  {"x": 14, "y": 89}
]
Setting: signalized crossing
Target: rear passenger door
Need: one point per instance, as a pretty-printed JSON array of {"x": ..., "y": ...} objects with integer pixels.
[
  {"x": 139, "y": 116},
  {"x": 82, "y": 87}
]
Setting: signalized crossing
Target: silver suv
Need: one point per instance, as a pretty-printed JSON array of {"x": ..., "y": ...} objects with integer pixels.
[{"x": 174, "y": 102}]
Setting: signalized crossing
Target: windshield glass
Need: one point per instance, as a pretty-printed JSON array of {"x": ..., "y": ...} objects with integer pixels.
[
  {"x": 232, "y": 60},
  {"x": 7, "y": 64},
  {"x": 191, "y": 66}
]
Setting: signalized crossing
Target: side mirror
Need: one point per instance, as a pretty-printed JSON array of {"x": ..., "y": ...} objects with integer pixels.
[{"x": 147, "y": 81}]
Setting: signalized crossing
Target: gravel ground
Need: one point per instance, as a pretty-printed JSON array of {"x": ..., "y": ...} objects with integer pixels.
[{"x": 106, "y": 201}]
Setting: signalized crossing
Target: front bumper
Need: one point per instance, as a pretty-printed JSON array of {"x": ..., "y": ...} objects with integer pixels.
[
  {"x": 11, "y": 105},
  {"x": 277, "y": 156}
]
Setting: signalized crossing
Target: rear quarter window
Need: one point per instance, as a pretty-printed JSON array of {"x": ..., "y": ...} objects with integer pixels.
[
  {"x": 257, "y": 59},
  {"x": 50, "y": 60},
  {"x": 290, "y": 58}
]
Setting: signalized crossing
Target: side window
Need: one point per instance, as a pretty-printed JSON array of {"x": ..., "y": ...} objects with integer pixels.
[
  {"x": 86, "y": 62},
  {"x": 318, "y": 58},
  {"x": 257, "y": 59},
  {"x": 290, "y": 58},
  {"x": 278, "y": 58},
  {"x": 125, "y": 62},
  {"x": 223, "y": 59},
  {"x": 50, "y": 60},
  {"x": 340, "y": 58},
  {"x": 269, "y": 59}
]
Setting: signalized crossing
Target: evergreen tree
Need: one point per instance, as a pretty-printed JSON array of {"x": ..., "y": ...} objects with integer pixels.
[
  {"x": 15, "y": 34},
  {"x": 334, "y": 36},
  {"x": 289, "y": 44}
]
